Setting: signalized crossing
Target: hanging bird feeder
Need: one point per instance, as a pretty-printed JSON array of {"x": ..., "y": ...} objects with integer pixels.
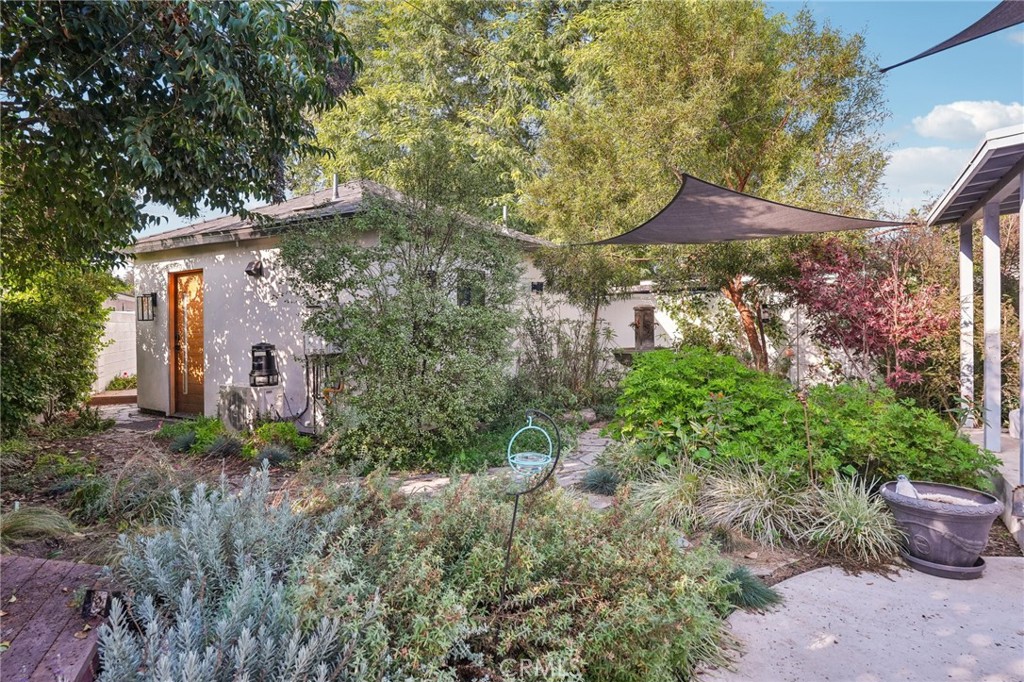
[{"x": 527, "y": 466}]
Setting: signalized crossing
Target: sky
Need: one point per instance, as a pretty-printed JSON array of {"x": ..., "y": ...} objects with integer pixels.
[{"x": 941, "y": 106}]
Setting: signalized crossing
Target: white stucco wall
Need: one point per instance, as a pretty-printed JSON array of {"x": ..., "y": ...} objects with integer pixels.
[
  {"x": 118, "y": 353},
  {"x": 238, "y": 312},
  {"x": 618, "y": 314}
]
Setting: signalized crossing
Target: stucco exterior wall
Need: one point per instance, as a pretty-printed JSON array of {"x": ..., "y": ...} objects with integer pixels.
[
  {"x": 238, "y": 312},
  {"x": 618, "y": 314}
]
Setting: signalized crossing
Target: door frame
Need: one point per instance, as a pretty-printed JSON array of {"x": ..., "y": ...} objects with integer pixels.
[{"x": 172, "y": 311}]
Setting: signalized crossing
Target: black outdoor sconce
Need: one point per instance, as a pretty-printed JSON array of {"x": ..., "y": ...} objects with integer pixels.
[
  {"x": 145, "y": 307},
  {"x": 254, "y": 268},
  {"x": 264, "y": 365}
]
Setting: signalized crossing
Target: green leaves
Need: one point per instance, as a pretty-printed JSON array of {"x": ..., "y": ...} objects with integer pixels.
[
  {"x": 383, "y": 290},
  {"x": 112, "y": 105}
]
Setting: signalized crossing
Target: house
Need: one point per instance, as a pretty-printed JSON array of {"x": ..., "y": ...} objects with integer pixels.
[{"x": 210, "y": 294}]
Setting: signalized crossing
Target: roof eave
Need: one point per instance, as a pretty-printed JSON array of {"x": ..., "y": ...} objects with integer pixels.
[{"x": 993, "y": 142}]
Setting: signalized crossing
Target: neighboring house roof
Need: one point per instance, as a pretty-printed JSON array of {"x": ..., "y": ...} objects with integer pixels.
[{"x": 300, "y": 209}]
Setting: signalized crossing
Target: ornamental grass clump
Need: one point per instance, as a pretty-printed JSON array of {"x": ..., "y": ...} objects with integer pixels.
[
  {"x": 752, "y": 593},
  {"x": 32, "y": 523},
  {"x": 672, "y": 495},
  {"x": 759, "y": 502},
  {"x": 601, "y": 481},
  {"x": 852, "y": 523}
]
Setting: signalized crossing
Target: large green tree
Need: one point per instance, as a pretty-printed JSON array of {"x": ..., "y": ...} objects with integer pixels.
[
  {"x": 785, "y": 110},
  {"x": 108, "y": 106},
  {"x": 478, "y": 72}
]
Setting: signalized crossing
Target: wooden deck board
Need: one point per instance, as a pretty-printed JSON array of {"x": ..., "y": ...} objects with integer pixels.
[
  {"x": 15, "y": 571},
  {"x": 41, "y": 624}
]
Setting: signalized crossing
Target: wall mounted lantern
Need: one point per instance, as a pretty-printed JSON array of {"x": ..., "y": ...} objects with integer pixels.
[
  {"x": 264, "y": 365},
  {"x": 254, "y": 268},
  {"x": 145, "y": 307}
]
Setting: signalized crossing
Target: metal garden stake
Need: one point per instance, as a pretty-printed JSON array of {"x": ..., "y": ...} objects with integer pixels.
[{"x": 527, "y": 465}]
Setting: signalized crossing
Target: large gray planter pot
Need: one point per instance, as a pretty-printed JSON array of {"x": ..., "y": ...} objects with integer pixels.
[{"x": 945, "y": 539}]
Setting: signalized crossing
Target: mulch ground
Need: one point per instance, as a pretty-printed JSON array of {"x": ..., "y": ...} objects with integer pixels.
[{"x": 113, "y": 452}]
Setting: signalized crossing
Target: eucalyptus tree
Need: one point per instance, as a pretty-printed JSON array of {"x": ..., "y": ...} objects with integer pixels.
[{"x": 782, "y": 109}]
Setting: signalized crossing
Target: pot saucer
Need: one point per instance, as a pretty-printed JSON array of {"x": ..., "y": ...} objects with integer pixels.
[{"x": 952, "y": 572}]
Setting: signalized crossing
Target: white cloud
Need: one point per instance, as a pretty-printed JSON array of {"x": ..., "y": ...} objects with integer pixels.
[
  {"x": 968, "y": 120},
  {"x": 1017, "y": 37},
  {"x": 917, "y": 175}
]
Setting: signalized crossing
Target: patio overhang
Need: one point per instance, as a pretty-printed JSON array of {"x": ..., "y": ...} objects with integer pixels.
[
  {"x": 992, "y": 175},
  {"x": 987, "y": 188}
]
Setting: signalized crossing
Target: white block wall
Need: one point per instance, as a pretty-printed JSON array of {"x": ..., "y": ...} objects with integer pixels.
[{"x": 118, "y": 353}]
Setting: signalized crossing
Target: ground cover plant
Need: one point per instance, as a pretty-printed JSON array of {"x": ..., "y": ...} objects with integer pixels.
[
  {"x": 122, "y": 382},
  {"x": 371, "y": 584},
  {"x": 694, "y": 403}
]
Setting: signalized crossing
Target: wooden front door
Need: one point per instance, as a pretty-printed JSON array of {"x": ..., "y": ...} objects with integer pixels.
[{"x": 189, "y": 360}]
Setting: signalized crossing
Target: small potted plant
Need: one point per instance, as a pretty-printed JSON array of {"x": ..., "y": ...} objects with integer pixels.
[{"x": 946, "y": 526}]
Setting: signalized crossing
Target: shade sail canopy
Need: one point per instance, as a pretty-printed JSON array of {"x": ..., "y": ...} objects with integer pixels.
[
  {"x": 1005, "y": 14},
  {"x": 702, "y": 213}
]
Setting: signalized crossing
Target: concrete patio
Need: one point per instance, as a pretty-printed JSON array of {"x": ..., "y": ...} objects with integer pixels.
[{"x": 871, "y": 628}]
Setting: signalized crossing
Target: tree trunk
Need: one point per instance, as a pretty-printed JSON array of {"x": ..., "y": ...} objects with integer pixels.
[{"x": 748, "y": 320}]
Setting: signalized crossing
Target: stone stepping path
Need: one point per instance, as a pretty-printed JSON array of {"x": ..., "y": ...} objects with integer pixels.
[{"x": 571, "y": 469}]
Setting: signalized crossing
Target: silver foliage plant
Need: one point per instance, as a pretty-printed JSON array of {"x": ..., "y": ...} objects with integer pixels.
[{"x": 212, "y": 599}]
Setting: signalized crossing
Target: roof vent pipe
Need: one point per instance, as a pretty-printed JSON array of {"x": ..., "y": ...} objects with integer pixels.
[{"x": 336, "y": 186}]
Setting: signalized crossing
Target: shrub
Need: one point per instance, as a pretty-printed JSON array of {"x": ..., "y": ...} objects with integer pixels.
[
  {"x": 562, "y": 362},
  {"x": 50, "y": 332},
  {"x": 758, "y": 502},
  {"x": 601, "y": 481},
  {"x": 849, "y": 522},
  {"x": 283, "y": 434},
  {"x": 203, "y": 605},
  {"x": 697, "y": 404},
  {"x": 424, "y": 339},
  {"x": 196, "y": 435},
  {"x": 631, "y": 459},
  {"x": 32, "y": 523},
  {"x": 123, "y": 382},
  {"x": 389, "y": 587}
]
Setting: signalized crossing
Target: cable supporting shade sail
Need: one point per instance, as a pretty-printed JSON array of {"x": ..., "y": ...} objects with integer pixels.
[
  {"x": 702, "y": 213},
  {"x": 1004, "y": 15}
]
